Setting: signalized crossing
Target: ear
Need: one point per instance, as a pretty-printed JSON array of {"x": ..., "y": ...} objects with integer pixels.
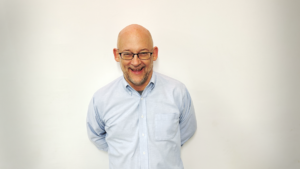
[
  {"x": 155, "y": 53},
  {"x": 116, "y": 54}
]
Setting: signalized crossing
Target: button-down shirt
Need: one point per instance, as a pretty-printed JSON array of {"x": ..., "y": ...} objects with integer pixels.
[{"x": 142, "y": 131}]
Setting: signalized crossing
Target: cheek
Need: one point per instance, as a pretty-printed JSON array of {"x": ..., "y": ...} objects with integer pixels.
[
  {"x": 148, "y": 65},
  {"x": 124, "y": 65}
]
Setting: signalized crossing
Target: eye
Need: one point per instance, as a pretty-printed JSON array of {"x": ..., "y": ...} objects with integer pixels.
[
  {"x": 127, "y": 54},
  {"x": 143, "y": 53}
]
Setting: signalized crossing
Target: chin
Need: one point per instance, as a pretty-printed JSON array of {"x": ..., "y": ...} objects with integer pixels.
[{"x": 137, "y": 82}]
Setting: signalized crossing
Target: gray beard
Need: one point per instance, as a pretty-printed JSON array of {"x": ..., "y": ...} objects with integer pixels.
[{"x": 138, "y": 83}]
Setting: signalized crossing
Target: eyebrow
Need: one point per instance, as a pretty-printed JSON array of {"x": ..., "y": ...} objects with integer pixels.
[
  {"x": 144, "y": 49},
  {"x": 139, "y": 50}
]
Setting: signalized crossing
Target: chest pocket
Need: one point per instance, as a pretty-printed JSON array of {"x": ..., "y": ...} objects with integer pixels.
[{"x": 166, "y": 125}]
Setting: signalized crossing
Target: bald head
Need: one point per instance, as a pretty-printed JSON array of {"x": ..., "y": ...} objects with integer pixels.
[{"x": 134, "y": 33}]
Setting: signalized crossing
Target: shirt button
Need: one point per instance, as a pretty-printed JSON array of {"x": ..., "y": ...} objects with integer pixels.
[
  {"x": 142, "y": 116},
  {"x": 143, "y": 134},
  {"x": 144, "y": 152},
  {"x": 141, "y": 98}
]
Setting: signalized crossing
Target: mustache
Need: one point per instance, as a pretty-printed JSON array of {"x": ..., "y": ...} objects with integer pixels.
[{"x": 136, "y": 68}]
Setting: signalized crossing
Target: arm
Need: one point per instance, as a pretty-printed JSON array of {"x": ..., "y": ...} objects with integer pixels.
[
  {"x": 95, "y": 128},
  {"x": 187, "y": 121}
]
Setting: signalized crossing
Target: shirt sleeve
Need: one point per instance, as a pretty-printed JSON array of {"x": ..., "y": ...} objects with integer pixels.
[
  {"x": 96, "y": 128},
  {"x": 187, "y": 121}
]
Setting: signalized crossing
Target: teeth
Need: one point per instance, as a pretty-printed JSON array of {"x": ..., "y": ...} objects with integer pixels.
[{"x": 136, "y": 69}]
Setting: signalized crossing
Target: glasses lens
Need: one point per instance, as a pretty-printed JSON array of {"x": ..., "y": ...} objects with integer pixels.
[
  {"x": 144, "y": 55},
  {"x": 127, "y": 55}
]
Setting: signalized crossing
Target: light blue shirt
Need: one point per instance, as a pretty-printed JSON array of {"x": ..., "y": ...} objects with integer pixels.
[{"x": 142, "y": 131}]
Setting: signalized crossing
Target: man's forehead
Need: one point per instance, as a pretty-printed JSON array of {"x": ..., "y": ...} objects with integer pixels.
[{"x": 130, "y": 50}]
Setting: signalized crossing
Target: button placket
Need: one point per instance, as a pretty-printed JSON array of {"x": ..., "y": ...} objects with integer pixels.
[{"x": 143, "y": 133}]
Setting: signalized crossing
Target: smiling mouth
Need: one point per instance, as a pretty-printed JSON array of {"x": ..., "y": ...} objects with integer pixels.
[{"x": 136, "y": 71}]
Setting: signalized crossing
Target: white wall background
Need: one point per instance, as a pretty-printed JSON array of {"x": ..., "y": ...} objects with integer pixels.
[{"x": 239, "y": 59}]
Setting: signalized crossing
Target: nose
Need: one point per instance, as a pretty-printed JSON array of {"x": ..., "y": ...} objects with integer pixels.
[{"x": 135, "y": 60}]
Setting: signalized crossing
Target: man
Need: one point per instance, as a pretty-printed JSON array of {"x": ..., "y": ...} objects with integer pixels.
[{"x": 142, "y": 118}]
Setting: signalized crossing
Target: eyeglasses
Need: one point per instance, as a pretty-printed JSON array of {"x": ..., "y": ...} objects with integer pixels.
[{"x": 130, "y": 55}]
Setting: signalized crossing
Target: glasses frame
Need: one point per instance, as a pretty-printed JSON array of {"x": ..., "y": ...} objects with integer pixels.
[{"x": 135, "y": 54}]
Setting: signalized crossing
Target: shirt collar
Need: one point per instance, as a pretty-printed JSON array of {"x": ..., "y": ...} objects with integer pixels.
[{"x": 151, "y": 84}]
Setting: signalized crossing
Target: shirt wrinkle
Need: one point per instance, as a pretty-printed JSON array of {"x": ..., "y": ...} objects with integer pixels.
[{"x": 142, "y": 131}]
